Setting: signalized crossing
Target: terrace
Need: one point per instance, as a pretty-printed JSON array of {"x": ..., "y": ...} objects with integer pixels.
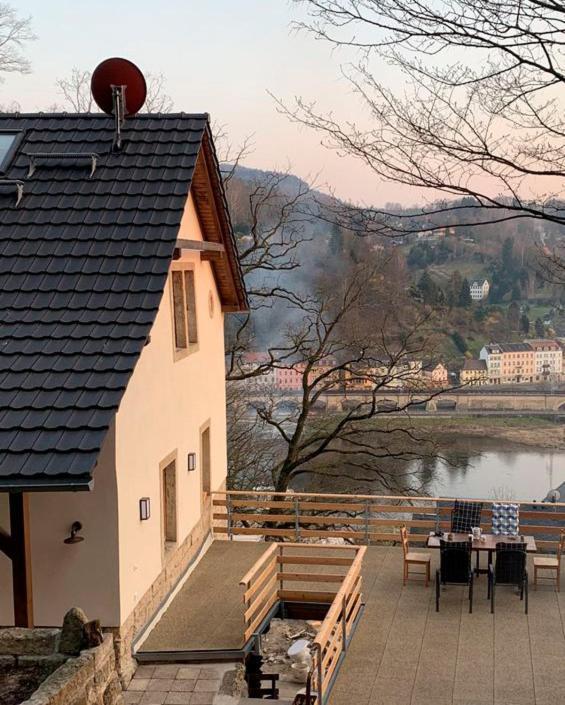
[{"x": 379, "y": 643}]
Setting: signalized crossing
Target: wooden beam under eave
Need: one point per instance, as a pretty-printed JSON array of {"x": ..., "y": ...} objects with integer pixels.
[
  {"x": 200, "y": 245},
  {"x": 211, "y": 256},
  {"x": 231, "y": 308},
  {"x": 21, "y": 559}
]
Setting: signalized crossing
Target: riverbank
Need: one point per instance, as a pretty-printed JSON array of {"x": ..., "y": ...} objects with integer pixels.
[{"x": 523, "y": 431}]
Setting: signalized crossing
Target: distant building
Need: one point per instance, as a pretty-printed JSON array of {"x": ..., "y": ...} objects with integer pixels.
[
  {"x": 509, "y": 363},
  {"x": 548, "y": 359},
  {"x": 474, "y": 372},
  {"x": 288, "y": 379},
  {"x": 437, "y": 376},
  {"x": 479, "y": 290}
]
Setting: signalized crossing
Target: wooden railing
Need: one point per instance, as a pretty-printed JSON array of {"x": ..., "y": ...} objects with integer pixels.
[
  {"x": 308, "y": 573},
  {"x": 334, "y": 634},
  {"x": 362, "y": 519},
  {"x": 261, "y": 590}
]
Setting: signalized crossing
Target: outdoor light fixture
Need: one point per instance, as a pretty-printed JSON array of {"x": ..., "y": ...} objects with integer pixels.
[
  {"x": 191, "y": 462},
  {"x": 144, "y": 508},
  {"x": 76, "y": 526}
]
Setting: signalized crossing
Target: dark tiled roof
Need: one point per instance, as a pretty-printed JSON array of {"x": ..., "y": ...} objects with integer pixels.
[
  {"x": 83, "y": 263},
  {"x": 479, "y": 365},
  {"x": 509, "y": 347}
]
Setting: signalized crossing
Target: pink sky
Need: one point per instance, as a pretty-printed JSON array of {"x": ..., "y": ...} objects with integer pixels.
[{"x": 221, "y": 57}]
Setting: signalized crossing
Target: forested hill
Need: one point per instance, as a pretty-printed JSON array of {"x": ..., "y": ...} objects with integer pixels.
[{"x": 433, "y": 265}]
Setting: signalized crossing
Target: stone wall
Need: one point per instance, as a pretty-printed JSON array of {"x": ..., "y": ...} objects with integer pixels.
[
  {"x": 176, "y": 563},
  {"x": 88, "y": 679}
]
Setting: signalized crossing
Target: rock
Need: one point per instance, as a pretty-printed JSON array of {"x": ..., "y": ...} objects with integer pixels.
[
  {"x": 92, "y": 634},
  {"x": 72, "y": 634}
]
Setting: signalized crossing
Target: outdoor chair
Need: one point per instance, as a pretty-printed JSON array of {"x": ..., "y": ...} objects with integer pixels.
[
  {"x": 551, "y": 564},
  {"x": 465, "y": 516},
  {"x": 509, "y": 569},
  {"x": 413, "y": 558},
  {"x": 455, "y": 567}
]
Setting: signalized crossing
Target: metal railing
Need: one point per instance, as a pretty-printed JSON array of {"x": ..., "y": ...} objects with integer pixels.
[{"x": 362, "y": 519}]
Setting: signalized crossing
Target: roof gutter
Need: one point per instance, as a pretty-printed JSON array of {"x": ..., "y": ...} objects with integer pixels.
[{"x": 57, "y": 484}]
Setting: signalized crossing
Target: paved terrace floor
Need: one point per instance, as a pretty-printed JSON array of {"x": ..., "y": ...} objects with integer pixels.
[{"x": 403, "y": 652}]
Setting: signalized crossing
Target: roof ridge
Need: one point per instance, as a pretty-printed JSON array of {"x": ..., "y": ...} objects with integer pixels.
[{"x": 70, "y": 114}]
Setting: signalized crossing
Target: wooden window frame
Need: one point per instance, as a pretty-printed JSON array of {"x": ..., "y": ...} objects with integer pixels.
[
  {"x": 189, "y": 331},
  {"x": 168, "y": 544},
  {"x": 205, "y": 495}
]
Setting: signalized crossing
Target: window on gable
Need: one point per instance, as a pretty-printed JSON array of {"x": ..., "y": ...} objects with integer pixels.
[
  {"x": 184, "y": 309},
  {"x": 8, "y": 143}
]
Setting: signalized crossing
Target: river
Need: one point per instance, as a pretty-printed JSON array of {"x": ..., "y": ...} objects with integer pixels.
[
  {"x": 468, "y": 466},
  {"x": 510, "y": 474}
]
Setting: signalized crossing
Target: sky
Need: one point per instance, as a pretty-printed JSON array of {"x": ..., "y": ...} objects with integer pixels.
[{"x": 218, "y": 56}]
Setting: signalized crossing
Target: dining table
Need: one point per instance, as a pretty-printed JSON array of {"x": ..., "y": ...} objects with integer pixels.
[{"x": 487, "y": 543}]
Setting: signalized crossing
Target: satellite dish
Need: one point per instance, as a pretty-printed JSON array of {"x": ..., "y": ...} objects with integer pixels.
[{"x": 113, "y": 73}]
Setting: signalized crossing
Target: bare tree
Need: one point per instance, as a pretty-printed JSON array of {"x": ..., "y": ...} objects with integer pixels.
[
  {"x": 75, "y": 90},
  {"x": 349, "y": 337},
  {"x": 157, "y": 100},
  {"x": 478, "y": 116},
  {"x": 15, "y": 32},
  {"x": 274, "y": 211}
]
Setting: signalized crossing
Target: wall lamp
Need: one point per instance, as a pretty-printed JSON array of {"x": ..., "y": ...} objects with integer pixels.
[
  {"x": 76, "y": 526},
  {"x": 144, "y": 508},
  {"x": 191, "y": 462}
]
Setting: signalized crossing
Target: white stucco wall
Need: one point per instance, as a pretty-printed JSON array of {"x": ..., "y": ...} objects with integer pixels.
[
  {"x": 165, "y": 407},
  {"x": 83, "y": 574}
]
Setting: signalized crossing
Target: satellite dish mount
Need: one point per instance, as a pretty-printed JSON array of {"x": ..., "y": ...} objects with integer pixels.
[
  {"x": 119, "y": 101},
  {"x": 119, "y": 89}
]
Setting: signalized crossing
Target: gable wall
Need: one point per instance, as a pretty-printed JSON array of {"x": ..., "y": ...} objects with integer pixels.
[{"x": 165, "y": 407}]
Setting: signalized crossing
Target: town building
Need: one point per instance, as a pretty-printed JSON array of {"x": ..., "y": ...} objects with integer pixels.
[
  {"x": 479, "y": 290},
  {"x": 116, "y": 269},
  {"x": 474, "y": 372},
  {"x": 548, "y": 359},
  {"x": 509, "y": 363},
  {"x": 438, "y": 375},
  {"x": 289, "y": 379}
]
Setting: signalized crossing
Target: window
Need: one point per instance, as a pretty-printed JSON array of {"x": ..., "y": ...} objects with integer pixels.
[
  {"x": 184, "y": 309},
  {"x": 8, "y": 143},
  {"x": 169, "y": 503}
]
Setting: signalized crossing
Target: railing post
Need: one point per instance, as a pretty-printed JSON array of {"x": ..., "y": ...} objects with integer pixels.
[
  {"x": 228, "y": 511},
  {"x": 367, "y": 537},
  {"x": 344, "y": 622},
  {"x": 317, "y": 649},
  {"x": 296, "y": 521}
]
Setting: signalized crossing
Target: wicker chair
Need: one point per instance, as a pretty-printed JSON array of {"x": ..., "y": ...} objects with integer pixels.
[
  {"x": 455, "y": 568},
  {"x": 509, "y": 569},
  {"x": 551, "y": 564},
  {"x": 414, "y": 558}
]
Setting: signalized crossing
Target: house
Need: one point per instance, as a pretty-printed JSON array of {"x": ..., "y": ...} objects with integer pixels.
[
  {"x": 116, "y": 270},
  {"x": 438, "y": 375},
  {"x": 509, "y": 363},
  {"x": 548, "y": 359},
  {"x": 479, "y": 290},
  {"x": 474, "y": 372}
]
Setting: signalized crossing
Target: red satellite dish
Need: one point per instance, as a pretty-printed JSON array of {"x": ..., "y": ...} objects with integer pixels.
[{"x": 118, "y": 72}]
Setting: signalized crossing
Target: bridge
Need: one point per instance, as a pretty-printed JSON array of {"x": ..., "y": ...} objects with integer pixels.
[{"x": 509, "y": 400}]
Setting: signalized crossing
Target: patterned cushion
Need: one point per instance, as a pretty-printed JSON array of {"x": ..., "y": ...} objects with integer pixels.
[
  {"x": 465, "y": 515},
  {"x": 505, "y": 519}
]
